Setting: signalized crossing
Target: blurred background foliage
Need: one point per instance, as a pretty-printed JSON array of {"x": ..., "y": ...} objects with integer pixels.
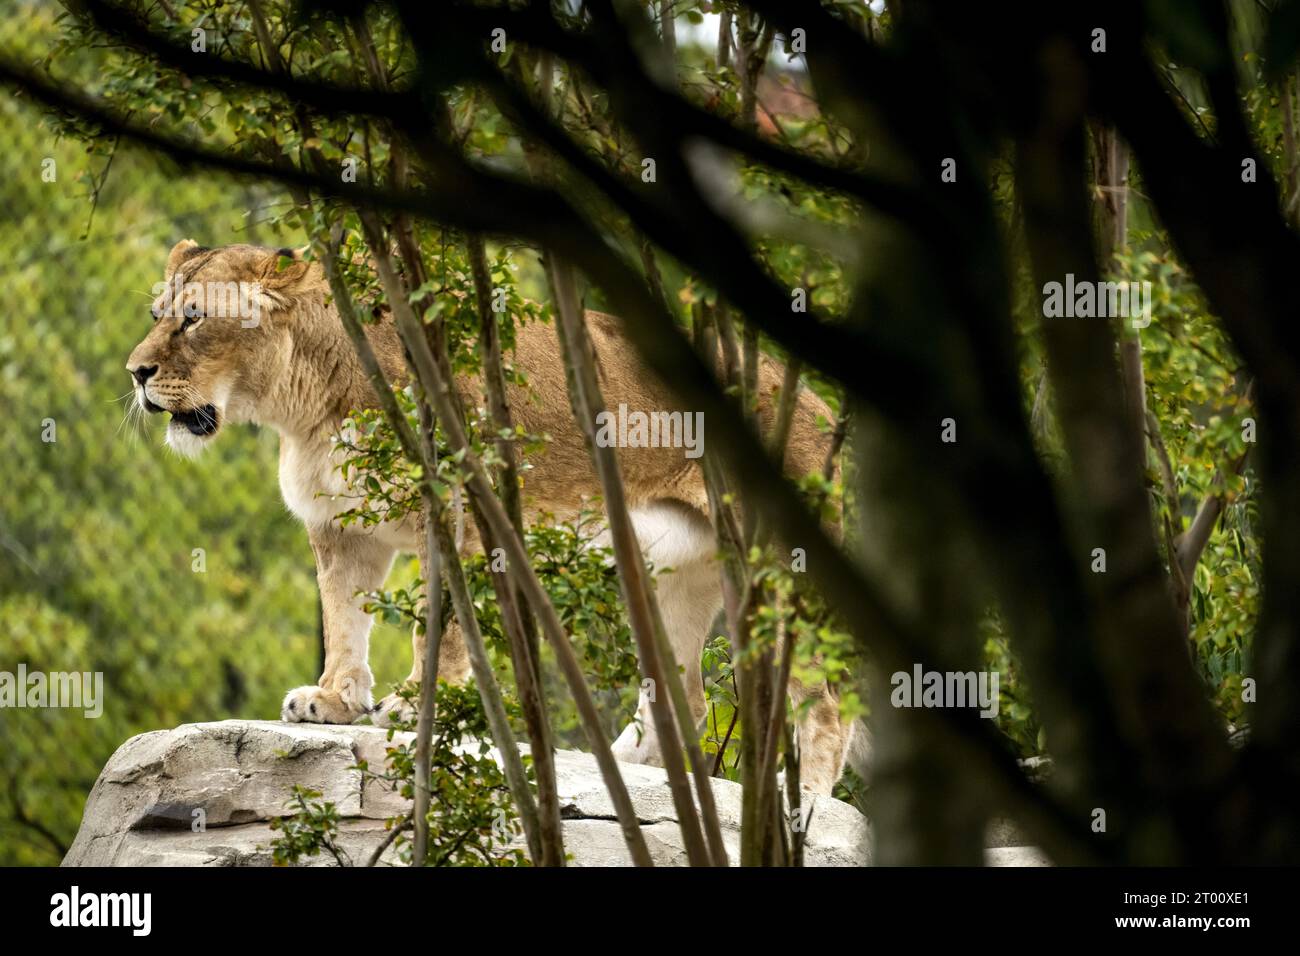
[{"x": 98, "y": 529}]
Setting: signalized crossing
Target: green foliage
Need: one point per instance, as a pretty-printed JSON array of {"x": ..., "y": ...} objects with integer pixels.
[
  {"x": 1015, "y": 717},
  {"x": 311, "y": 829},
  {"x": 98, "y": 528},
  {"x": 722, "y": 729},
  {"x": 472, "y": 820},
  {"x": 1195, "y": 388}
]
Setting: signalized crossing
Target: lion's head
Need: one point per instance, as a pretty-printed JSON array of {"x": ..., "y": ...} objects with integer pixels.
[{"x": 217, "y": 345}]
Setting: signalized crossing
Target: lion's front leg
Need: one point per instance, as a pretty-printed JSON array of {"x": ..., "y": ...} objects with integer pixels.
[
  {"x": 346, "y": 564},
  {"x": 453, "y": 660}
]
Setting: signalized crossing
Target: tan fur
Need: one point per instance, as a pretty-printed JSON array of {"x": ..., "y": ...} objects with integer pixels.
[{"x": 296, "y": 371}]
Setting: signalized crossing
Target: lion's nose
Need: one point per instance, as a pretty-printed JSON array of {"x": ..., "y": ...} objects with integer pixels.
[{"x": 142, "y": 373}]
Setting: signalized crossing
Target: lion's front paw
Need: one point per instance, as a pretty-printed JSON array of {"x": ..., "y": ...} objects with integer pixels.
[
  {"x": 319, "y": 705},
  {"x": 392, "y": 710}
]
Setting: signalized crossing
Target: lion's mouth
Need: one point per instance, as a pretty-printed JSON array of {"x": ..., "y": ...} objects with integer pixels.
[{"x": 198, "y": 421}]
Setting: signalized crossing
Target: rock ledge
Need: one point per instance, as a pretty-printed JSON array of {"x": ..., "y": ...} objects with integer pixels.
[{"x": 237, "y": 774}]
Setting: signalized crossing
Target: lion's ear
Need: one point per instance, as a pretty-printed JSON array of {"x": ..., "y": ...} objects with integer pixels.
[
  {"x": 281, "y": 275},
  {"x": 282, "y": 270},
  {"x": 180, "y": 252}
]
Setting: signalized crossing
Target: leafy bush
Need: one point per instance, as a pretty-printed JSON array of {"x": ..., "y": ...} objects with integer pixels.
[{"x": 472, "y": 820}]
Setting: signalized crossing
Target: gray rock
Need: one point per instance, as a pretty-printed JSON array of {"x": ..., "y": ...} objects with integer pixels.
[
  {"x": 1015, "y": 856},
  {"x": 236, "y": 775}
]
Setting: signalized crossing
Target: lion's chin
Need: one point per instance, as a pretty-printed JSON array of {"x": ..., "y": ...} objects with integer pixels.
[{"x": 188, "y": 433}]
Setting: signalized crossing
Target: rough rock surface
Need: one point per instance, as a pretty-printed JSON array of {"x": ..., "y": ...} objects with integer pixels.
[
  {"x": 239, "y": 773},
  {"x": 235, "y": 775}
]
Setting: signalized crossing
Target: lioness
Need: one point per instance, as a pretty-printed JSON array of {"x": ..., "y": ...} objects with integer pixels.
[{"x": 290, "y": 366}]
